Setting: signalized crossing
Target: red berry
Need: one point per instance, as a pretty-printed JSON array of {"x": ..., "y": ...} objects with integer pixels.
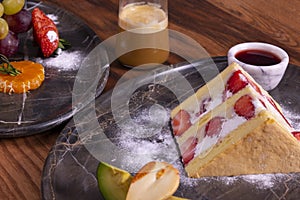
[
  {"x": 236, "y": 82},
  {"x": 214, "y": 126},
  {"x": 244, "y": 107},
  {"x": 278, "y": 110},
  {"x": 181, "y": 122},
  {"x": 255, "y": 86},
  {"x": 296, "y": 134},
  {"x": 263, "y": 103},
  {"x": 45, "y": 32},
  {"x": 188, "y": 149},
  {"x": 203, "y": 106}
]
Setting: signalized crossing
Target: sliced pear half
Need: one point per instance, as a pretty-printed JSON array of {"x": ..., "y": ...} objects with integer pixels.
[{"x": 156, "y": 180}]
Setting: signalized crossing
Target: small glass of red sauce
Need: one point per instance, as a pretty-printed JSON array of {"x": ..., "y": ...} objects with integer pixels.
[{"x": 266, "y": 63}]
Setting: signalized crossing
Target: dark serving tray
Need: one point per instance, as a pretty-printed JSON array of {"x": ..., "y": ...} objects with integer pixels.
[
  {"x": 128, "y": 129},
  {"x": 51, "y": 104}
]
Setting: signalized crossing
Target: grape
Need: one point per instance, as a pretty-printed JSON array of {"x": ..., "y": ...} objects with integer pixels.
[
  {"x": 3, "y": 28},
  {"x": 12, "y": 7},
  {"x": 9, "y": 45},
  {"x": 20, "y": 22},
  {"x": 1, "y": 9}
]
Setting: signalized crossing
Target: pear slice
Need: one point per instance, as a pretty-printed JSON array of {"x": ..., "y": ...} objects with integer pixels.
[{"x": 156, "y": 180}]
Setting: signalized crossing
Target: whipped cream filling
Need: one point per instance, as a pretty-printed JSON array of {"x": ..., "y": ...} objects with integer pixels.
[
  {"x": 227, "y": 126},
  {"x": 231, "y": 122},
  {"x": 214, "y": 101}
]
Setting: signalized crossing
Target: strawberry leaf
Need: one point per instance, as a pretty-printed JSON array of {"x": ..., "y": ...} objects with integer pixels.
[{"x": 63, "y": 44}]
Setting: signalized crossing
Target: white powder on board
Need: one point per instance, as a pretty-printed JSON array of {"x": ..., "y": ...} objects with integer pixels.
[
  {"x": 54, "y": 18},
  {"x": 262, "y": 181},
  {"x": 163, "y": 148},
  {"x": 66, "y": 60},
  {"x": 292, "y": 117},
  {"x": 141, "y": 150}
]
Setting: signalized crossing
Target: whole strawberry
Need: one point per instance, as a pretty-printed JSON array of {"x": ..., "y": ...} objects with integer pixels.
[{"x": 45, "y": 32}]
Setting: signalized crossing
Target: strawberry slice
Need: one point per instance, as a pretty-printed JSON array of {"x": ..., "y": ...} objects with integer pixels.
[
  {"x": 255, "y": 86},
  {"x": 244, "y": 107},
  {"x": 203, "y": 106},
  {"x": 181, "y": 122},
  {"x": 236, "y": 82},
  {"x": 296, "y": 135},
  {"x": 278, "y": 110},
  {"x": 45, "y": 32},
  {"x": 214, "y": 126},
  {"x": 188, "y": 149},
  {"x": 263, "y": 103}
]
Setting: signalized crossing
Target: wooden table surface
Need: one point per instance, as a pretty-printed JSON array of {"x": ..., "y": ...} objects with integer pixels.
[{"x": 216, "y": 25}]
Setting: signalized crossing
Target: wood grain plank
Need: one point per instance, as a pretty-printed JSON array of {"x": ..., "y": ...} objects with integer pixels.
[
  {"x": 274, "y": 21},
  {"x": 21, "y": 162}
]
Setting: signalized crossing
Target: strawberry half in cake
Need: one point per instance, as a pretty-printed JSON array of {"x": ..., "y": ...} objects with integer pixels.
[{"x": 244, "y": 134}]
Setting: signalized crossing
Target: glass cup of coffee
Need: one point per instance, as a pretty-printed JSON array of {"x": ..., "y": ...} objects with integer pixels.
[{"x": 144, "y": 37}]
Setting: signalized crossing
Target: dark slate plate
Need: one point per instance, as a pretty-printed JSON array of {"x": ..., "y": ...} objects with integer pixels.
[
  {"x": 102, "y": 133},
  {"x": 51, "y": 104}
]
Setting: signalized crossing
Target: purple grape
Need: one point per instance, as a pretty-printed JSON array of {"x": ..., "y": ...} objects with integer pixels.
[
  {"x": 19, "y": 22},
  {"x": 9, "y": 45}
]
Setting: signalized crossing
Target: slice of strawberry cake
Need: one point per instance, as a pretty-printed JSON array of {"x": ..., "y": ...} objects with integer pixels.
[
  {"x": 229, "y": 82},
  {"x": 246, "y": 133}
]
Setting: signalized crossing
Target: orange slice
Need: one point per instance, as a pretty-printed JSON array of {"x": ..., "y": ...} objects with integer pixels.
[{"x": 31, "y": 77}]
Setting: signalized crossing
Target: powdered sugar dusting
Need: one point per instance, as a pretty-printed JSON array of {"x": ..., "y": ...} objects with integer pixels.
[
  {"x": 54, "y": 18},
  {"x": 154, "y": 145},
  {"x": 263, "y": 181},
  {"x": 292, "y": 117},
  {"x": 52, "y": 36},
  {"x": 140, "y": 152},
  {"x": 67, "y": 60},
  {"x": 260, "y": 181},
  {"x": 160, "y": 145}
]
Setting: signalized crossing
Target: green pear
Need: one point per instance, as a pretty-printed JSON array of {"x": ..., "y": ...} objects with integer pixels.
[{"x": 113, "y": 182}]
